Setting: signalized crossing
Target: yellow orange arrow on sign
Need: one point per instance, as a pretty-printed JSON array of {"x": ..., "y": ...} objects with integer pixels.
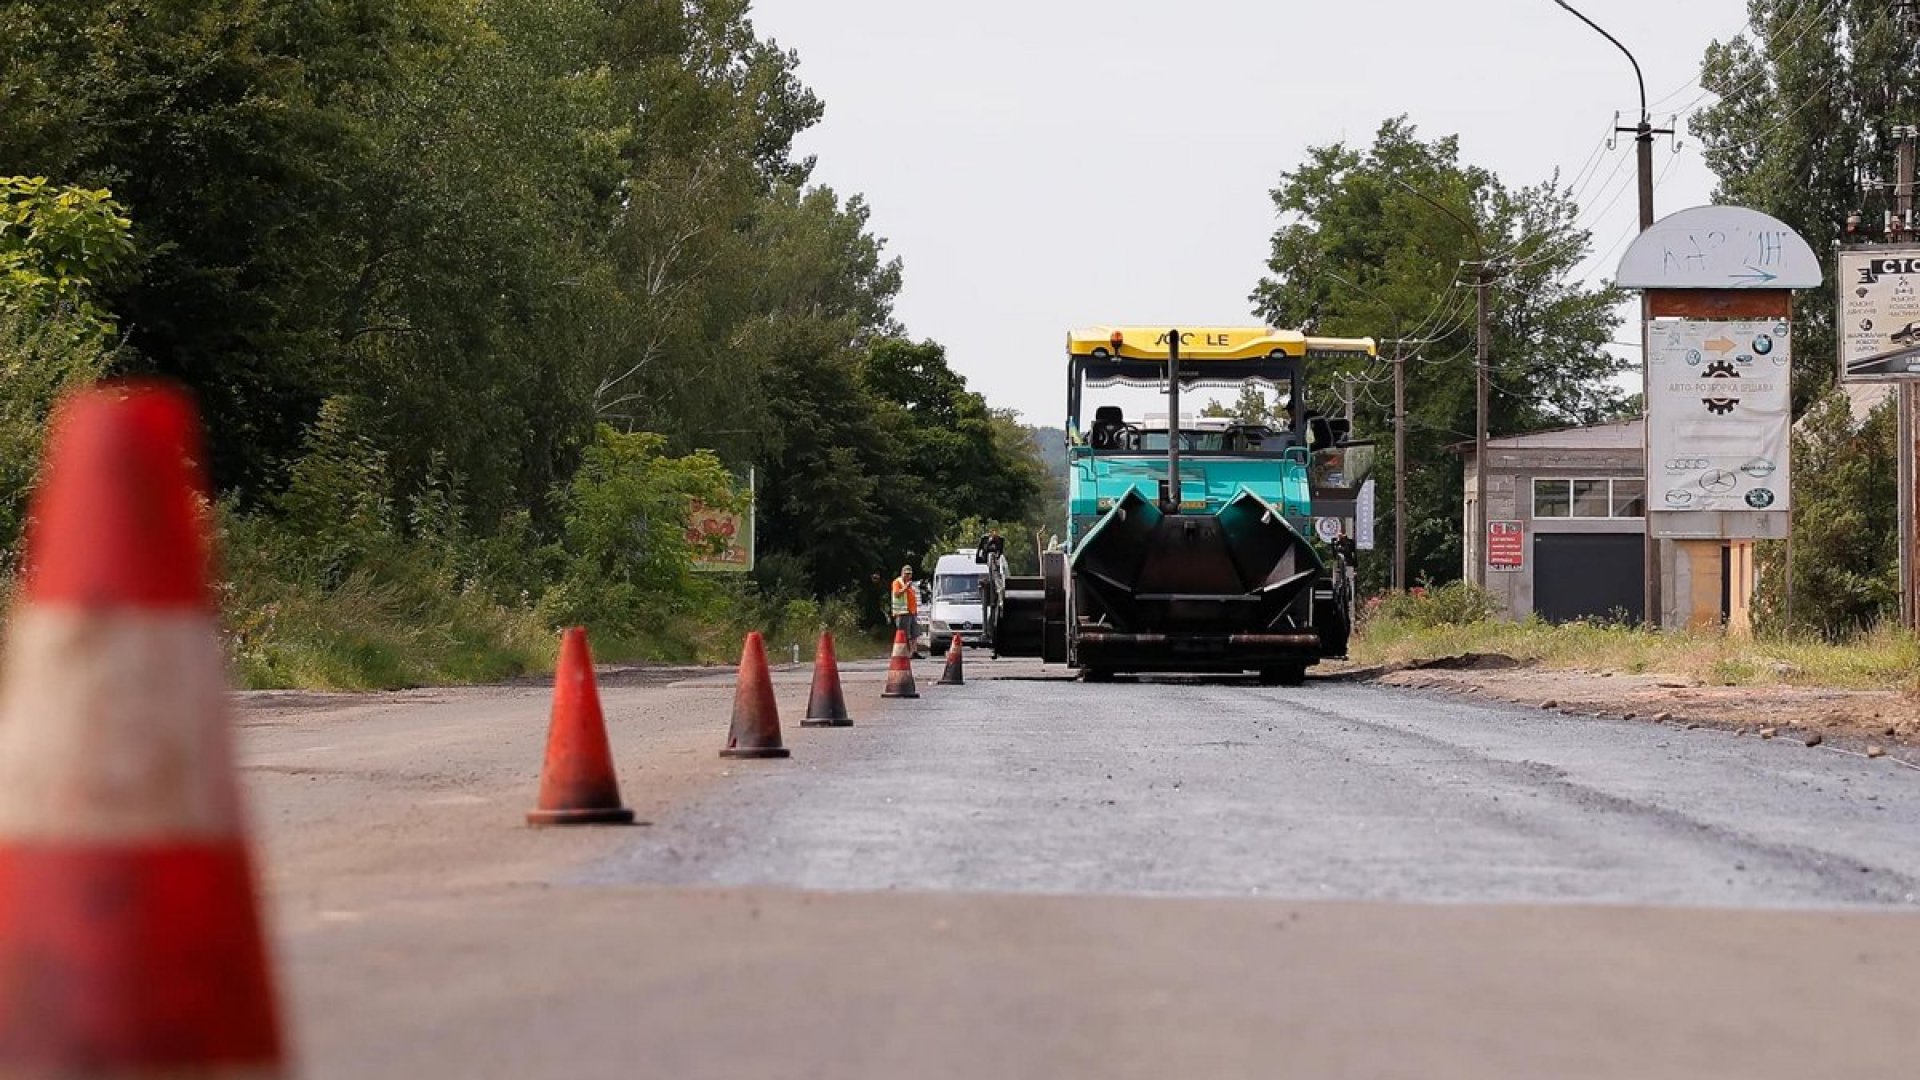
[{"x": 1719, "y": 345}]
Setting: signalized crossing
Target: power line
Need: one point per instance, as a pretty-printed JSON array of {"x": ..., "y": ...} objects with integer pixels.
[{"x": 1769, "y": 48}]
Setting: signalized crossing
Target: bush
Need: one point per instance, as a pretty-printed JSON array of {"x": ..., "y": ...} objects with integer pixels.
[{"x": 1457, "y": 603}]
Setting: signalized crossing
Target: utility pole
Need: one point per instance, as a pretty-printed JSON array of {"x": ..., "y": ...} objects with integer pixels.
[
  {"x": 1643, "y": 134},
  {"x": 1483, "y": 281},
  {"x": 1399, "y": 469},
  {"x": 1900, "y": 229},
  {"x": 1650, "y": 561}
]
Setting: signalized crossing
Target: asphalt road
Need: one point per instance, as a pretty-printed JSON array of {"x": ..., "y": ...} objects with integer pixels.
[
  {"x": 1328, "y": 791},
  {"x": 1033, "y": 877}
]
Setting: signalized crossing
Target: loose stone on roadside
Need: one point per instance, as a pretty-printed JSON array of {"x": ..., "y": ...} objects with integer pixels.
[
  {"x": 1876, "y": 751},
  {"x": 1814, "y": 739},
  {"x": 1768, "y": 733}
]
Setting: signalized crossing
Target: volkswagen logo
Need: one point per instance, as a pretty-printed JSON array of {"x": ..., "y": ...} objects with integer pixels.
[{"x": 1718, "y": 482}]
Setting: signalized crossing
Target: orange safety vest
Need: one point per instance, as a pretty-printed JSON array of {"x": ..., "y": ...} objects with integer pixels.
[{"x": 910, "y": 605}]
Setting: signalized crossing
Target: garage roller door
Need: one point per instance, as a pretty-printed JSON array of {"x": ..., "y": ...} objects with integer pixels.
[{"x": 1588, "y": 576}]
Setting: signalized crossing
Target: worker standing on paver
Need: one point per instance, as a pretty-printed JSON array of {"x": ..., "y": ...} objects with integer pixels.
[
  {"x": 991, "y": 545},
  {"x": 906, "y": 608}
]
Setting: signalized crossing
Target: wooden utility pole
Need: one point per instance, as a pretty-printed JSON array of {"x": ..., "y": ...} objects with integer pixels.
[
  {"x": 1900, "y": 229},
  {"x": 1399, "y": 469},
  {"x": 1483, "y": 282},
  {"x": 1650, "y": 545},
  {"x": 1643, "y": 134}
]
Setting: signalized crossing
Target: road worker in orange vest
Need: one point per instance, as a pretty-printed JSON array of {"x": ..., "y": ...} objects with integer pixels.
[{"x": 905, "y": 608}]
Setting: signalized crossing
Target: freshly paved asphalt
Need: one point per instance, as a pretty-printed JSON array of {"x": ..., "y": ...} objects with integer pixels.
[
  {"x": 1034, "y": 878},
  {"x": 1329, "y": 791}
]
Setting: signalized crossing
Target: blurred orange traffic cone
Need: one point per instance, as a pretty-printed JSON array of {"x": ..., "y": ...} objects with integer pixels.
[
  {"x": 900, "y": 669},
  {"x": 130, "y": 941},
  {"x": 955, "y": 672},
  {"x": 826, "y": 704},
  {"x": 756, "y": 719},
  {"x": 577, "y": 782}
]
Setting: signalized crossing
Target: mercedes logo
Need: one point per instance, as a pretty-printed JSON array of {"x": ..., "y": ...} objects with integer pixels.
[{"x": 1718, "y": 482}]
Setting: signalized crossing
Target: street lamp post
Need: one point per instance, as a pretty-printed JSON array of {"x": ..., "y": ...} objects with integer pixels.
[{"x": 1643, "y": 134}]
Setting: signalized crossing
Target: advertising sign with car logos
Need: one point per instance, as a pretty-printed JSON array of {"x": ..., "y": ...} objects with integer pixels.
[
  {"x": 1879, "y": 308},
  {"x": 1719, "y": 415}
]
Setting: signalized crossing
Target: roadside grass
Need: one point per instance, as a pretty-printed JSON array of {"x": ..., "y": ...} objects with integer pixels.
[
  {"x": 1883, "y": 659},
  {"x": 370, "y": 633}
]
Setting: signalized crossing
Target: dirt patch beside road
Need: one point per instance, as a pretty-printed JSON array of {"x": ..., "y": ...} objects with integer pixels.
[{"x": 1853, "y": 720}]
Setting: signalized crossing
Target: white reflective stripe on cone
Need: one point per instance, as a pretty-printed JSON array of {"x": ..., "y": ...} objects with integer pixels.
[{"x": 114, "y": 727}]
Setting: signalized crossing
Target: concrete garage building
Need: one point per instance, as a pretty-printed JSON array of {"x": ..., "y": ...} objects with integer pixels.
[{"x": 1565, "y": 534}]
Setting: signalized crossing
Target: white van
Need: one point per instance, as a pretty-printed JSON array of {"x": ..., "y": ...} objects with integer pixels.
[{"x": 955, "y": 610}]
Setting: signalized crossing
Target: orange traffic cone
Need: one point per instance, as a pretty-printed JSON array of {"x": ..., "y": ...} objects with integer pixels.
[
  {"x": 826, "y": 704},
  {"x": 756, "y": 718},
  {"x": 577, "y": 783},
  {"x": 130, "y": 939},
  {"x": 900, "y": 669},
  {"x": 955, "y": 672}
]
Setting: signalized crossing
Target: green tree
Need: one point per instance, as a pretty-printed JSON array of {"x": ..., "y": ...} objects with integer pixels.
[
  {"x": 1803, "y": 110},
  {"x": 1252, "y": 406},
  {"x": 1845, "y": 554},
  {"x": 1801, "y": 127},
  {"x": 1361, "y": 252},
  {"x": 58, "y": 247}
]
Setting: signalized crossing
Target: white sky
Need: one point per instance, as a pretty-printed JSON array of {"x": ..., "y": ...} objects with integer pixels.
[{"x": 1043, "y": 164}]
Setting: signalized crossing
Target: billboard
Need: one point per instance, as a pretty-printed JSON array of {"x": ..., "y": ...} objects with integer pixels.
[
  {"x": 1879, "y": 313},
  {"x": 724, "y": 538},
  {"x": 1719, "y": 416}
]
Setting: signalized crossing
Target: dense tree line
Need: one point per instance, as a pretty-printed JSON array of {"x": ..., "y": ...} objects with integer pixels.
[{"x": 449, "y": 240}]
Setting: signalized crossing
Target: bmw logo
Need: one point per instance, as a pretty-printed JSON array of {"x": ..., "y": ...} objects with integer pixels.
[{"x": 1762, "y": 344}]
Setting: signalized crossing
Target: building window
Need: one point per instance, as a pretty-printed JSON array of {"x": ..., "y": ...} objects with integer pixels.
[
  {"x": 1592, "y": 499},
  {"x": 1551, "y": 498},
  {"x": 1589, "y": 498},
  {"x": 1629, "y": 498}
]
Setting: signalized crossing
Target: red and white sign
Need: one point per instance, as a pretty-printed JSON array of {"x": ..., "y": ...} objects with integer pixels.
[{"x": 1506, "y": 545}]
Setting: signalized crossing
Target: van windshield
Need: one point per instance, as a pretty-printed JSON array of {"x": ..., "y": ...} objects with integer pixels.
[{"x": 962, "y": 587}]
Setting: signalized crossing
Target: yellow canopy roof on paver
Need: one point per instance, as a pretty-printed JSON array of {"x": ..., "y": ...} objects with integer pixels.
[{"x": 1211, "y": 343}]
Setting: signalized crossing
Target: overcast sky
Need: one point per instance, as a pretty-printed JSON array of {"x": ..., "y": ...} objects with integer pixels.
[{"x": 1043, "y": 164}]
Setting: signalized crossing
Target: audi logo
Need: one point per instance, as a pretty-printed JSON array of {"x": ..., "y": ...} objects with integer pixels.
[{"x": 1685, "y": 464}]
